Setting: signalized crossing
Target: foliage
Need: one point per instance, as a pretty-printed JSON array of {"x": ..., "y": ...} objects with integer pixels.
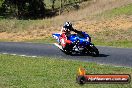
[
  {"x": 33, "y": 8},
  {"x": 23, "y": 8}
]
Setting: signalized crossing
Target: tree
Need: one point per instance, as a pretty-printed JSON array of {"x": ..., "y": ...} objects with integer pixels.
[
  {"x": 36, "y": 8},
  {"x": 24, "y": 8},
  {"x": 53, "y": 4}
]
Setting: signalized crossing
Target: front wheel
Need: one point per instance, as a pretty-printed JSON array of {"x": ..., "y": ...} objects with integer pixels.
[{"x": 94, "y": 51}]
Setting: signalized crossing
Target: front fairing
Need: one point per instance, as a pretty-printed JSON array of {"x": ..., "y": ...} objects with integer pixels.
[
  {"x": 57, "y": 36},
  {"x": 83, "y": 41}
]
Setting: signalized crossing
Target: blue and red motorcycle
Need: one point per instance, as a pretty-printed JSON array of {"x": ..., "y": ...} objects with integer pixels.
[{"x": 80, "y": 43}]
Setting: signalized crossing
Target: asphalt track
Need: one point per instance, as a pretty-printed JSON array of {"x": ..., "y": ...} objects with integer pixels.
[{"x": 108, "y": 55}]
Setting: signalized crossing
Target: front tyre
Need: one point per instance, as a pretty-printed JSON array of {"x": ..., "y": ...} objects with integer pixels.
[{"x": 94, "y": 51}]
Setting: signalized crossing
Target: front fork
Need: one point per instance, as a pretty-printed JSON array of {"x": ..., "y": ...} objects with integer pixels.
[{"x": 89, "y": 47}]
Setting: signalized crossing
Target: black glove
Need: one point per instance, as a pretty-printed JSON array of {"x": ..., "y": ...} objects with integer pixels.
[{"x": 76, "y": 31}]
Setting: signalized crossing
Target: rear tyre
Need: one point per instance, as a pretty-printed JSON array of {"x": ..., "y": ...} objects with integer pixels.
[{"x": 67, "y": 50}]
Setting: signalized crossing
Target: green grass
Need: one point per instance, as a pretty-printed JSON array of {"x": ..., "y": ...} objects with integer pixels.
[
  {"x": 124, "y": 10},
  {"x": 46, "y": 72},
  {"x": 115, "y": 38},
  {"x": 119, "y": 43}
]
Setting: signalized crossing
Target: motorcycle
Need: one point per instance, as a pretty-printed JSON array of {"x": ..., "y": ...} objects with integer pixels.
[{"x": 81, "y": 43}]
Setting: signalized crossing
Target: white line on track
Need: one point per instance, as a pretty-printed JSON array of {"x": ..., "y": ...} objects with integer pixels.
[
  {"x": 4, "y": 53},
  {"x": 18, "y": 55},
  {"x": 13, "y": 54},
  {"x": 23, "y": 55},
  {"x": 58, "y": 45},
  {"x": 33, "y": 56}
]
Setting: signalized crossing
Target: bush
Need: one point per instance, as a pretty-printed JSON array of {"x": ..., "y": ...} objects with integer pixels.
[{"x": 23, "y": 8}]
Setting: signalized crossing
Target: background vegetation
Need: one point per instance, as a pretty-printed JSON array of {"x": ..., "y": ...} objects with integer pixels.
[{"x": 33, "y": 8}]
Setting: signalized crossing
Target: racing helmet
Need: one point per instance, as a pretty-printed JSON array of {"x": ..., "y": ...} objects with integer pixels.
[{"x": 67, "y": 26}]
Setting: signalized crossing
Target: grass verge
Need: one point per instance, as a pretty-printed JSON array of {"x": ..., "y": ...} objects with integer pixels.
[
  {"x": 119, "y": 43},
  {"x": 124, "y": 10},
  {"x": 46, "y": 72}
]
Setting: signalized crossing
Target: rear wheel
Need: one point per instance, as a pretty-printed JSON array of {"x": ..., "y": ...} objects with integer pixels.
[
  {"x": 67, "y": 49},
  {"x": 68, "y": 52}
]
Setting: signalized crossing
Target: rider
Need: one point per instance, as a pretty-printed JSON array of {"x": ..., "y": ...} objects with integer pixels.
[
  {"x": 67, "y": 28},
  {"x": 66, "y": 32}
]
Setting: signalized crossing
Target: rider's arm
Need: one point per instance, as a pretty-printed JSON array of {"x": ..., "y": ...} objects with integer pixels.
[
  {"x": 76, "y": 31},
  {"x": 61, "y": 30}
]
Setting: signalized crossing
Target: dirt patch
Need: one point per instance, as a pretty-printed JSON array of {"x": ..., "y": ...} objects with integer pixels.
[
  {"x": 27, "y": 35},
  {"x": 120, "y": 27},
  {"x": 112, "y": 24}
]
